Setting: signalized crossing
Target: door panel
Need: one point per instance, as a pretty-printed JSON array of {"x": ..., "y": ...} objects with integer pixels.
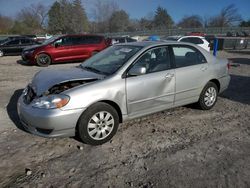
[
  {"x": 154, "y": 88},
  {"x": 150, "y": 91},
  {"x": 191, "y": 74}
]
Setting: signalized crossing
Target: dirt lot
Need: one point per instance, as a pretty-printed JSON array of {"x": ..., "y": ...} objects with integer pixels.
[{"x": 183, "y": 147}]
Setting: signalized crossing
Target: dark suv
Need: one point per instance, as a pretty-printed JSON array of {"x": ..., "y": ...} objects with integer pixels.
[
  {"x": 66, "y": 48},
  {"x": 15, "y": 45}
]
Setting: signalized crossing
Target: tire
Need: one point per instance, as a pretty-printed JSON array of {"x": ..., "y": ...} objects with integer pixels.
[
  {"x": 94, "y": 53},
  {"x": 1, "y": 53},
  {"x": 92, "y": 127},
  {"x": 43, "y": 60},
  {"x": 208, "y": 96}
]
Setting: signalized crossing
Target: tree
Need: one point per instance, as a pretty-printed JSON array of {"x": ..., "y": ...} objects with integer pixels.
[
  {"x": 245, "y": 23},
  {"x": 162, "y": 20},
  {"x": 66, "y": 17},
  {"x": 119, "y": 21},
  {"x": 146, "y": 24},
  {"x": 79, "y": 18},
  {"x": 5, "y": 24},
  {"x": 30, "y": 20},
  {"x": 56, "y": 19},
  {"x": 193, "y": 21},
  {"x": 102, "y": 12},
  {"x": 227, "y": 17}
]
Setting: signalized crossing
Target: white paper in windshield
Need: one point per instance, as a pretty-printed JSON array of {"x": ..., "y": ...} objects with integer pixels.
[{"x": 125, "y": 50}]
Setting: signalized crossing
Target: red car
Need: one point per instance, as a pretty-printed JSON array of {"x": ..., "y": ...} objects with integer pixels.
[{"x": 66, "y": 48}]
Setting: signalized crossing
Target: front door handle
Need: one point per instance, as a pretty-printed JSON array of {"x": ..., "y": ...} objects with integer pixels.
[{"x": 169, "y": 75}]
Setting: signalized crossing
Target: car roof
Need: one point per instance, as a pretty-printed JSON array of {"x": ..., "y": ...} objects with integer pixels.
[
  {"x": 79, "y": 35},
  {"x": 193, "y": 36},
  {"x": 153, "y": 43}
]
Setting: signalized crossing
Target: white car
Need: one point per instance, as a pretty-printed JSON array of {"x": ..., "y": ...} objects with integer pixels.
[{"x": 198, "y": 40}]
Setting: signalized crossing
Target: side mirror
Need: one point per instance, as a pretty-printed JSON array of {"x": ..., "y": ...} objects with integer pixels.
[{"x": 136, "y": 71}]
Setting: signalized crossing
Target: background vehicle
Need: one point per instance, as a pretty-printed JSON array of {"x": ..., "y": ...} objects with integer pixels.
[
  {"x": 15, "y": 45},
  {"x": 115, "y": 40},
  {"x": 121, "y": 83},
  {"x": 64, "y": 48},
  {"x": 198, "y": 40}
]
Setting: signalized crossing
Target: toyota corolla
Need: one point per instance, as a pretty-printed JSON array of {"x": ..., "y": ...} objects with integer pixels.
[{"x": 118, "y": 84}]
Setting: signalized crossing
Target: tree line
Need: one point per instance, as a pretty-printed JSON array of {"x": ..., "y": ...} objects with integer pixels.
[{"x": 69, "y": 16}]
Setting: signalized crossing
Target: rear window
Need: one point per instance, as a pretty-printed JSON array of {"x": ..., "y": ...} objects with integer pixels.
[
  {"x": 193, "y": 40},
  {"x": 187, "y": 56},
  {"x": 26, "y": 41}
]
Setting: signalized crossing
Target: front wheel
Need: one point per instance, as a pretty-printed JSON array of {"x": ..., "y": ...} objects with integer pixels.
[
  {"x": 98, "y": 124},
  {"x": 208, "y": 96},
  {"x": 43, "y": 60}
]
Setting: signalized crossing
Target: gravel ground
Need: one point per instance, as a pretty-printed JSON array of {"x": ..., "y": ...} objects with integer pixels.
[{"x": 182, "y": 147}]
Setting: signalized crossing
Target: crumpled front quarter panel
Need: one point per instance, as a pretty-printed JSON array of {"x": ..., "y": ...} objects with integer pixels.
[{"x": 112, "y": 89}]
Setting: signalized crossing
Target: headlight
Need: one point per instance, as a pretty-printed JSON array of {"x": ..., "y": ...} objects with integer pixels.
[{"x": 51, "y": 101}]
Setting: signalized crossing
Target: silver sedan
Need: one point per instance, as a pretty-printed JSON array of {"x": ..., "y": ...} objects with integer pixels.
[{"x": 120, "y": 83}]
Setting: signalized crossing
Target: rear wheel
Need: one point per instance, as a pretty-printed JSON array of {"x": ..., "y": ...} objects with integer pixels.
[
  {"x": 98, "y": 124},
  {"x": 208, "y": 96},
  {"x": 43, "y": 60}
]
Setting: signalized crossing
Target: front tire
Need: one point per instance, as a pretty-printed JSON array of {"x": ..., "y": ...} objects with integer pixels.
[
  {"x": 98, "y": 124},
  {"x": 43, "y": 60},
  {"x": 208, "y": 96}
]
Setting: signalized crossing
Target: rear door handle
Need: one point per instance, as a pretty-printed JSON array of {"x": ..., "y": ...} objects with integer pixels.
[{"x": 169, "y": 75}]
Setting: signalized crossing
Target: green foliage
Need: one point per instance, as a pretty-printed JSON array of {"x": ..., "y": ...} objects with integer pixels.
[
  {"x": 5, "y": 24},
  {"x": 193, "y": 21},
  {"x": 67, "y": 17},
  {"x": 245, "y": 23},
  {"x": 162, "y": 20},
  {"x": 119, "y": 21}
]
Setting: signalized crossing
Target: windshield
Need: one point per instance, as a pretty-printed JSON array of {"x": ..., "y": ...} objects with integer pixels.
[
  {"x": 111, "y": 59},
  {"x": 4, "y": 41},
  {"x": 51, "y": 39}
]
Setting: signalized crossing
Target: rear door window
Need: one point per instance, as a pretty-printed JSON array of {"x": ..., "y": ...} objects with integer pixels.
[
  {"x": 91, "y": 39},
  {"x": 26, "y": 41},
  {"x": 187, "y": 56},
  {"x": 13, "y": 42},
  {"x": 193, "y": 40},
  {"x": 185, "y": 40}
]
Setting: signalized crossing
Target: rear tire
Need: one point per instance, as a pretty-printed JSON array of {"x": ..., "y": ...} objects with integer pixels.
[
  {"x": 43, "y": 60},
  {"x": 208, "y": 96},
  {"x": 98, "y": 124}
]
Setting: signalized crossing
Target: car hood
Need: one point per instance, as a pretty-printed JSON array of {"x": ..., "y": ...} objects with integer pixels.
[
  {"x": 33, "y": 47},
  {"x": 46, "y": 79}
]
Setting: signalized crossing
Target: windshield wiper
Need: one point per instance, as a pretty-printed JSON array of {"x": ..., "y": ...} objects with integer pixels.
[{"x": 93, "y": 70}]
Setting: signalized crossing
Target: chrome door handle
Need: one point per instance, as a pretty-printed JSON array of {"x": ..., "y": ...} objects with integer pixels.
[{"x": 169, "y": 75}]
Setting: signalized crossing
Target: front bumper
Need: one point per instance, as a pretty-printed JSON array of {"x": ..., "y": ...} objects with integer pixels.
[
  {"x": 48, "y": 122},
  {"x": 28, "y": 58}
]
